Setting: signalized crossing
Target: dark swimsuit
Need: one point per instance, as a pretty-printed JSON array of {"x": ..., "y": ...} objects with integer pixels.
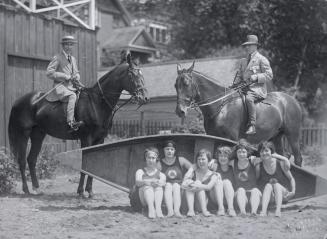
[
  {"x": 277, "y": 176},
  {"x": 173, "y": 172},
  {"x": 245, "y": 178},
  {"x": 147, "y": 176},
  {"x": 229, "y": 174}
]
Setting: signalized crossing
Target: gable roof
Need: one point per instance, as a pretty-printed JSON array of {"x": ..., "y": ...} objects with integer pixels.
[
  {"x": 160, "y": 78},
  {"x": 133, "y": 38}
]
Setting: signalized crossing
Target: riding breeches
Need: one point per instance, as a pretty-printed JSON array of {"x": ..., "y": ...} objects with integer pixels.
[
  {"x": 250, "y": 98},
  {"x": 71, "y": 107}
]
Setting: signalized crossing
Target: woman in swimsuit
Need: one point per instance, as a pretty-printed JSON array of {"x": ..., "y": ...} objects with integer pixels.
[
  {"x": 275, "y": 178},
  {"x": 203, "y": 183},
  {"x": 172, "y": 166},
  {"x": 151, "y": 182},
  {"x": 245, "y": 179}
]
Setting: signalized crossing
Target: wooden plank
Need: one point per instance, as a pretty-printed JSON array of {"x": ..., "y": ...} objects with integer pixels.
[
  {"x": 10, "y": 31},
  {"x": 25, "y": 34},
  {"x": 32, "y": 36},
  {"x": 40, "y": 37},
  {"x": 82, "y": 58},
  {"x": 18, "y": 29},
  {"x": 3, "y": 56}
]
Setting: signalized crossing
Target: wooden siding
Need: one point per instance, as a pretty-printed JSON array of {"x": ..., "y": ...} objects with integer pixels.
[{"x": 27, "y": 44}]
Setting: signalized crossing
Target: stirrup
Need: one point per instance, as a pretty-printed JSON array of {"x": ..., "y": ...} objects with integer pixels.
[
  {"x": 251, "y": 130},
  {"x": 75, "y": 125}
]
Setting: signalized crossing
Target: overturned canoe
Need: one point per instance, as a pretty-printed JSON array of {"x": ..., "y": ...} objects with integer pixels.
[{"x": 116, "y": 163}]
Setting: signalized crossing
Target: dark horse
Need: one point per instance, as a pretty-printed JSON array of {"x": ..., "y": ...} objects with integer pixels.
[
  {"x": 279, "y": 114},
  {"x": 95, "y": 107}
]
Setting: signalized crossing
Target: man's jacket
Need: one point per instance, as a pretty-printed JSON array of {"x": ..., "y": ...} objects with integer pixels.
[
  {"x": 258, "y": 65},
  {"x": 58, "y": 70}
]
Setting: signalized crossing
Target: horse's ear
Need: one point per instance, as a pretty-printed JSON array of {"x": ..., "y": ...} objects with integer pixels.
[
  {"x": 191, "y": 68},
  {"x": 179, "y": 68},
  {"x": 129, "y": 59}
]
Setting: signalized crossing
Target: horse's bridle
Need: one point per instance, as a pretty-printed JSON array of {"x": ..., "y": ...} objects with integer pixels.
[
  {"x": 195, "y": 88},
  {"x": 195, "y": 93},
  {"x": 131, "y": 73}
]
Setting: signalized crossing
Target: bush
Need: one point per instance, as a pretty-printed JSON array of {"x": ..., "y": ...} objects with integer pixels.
[
  {"x": 314, "y": 155},
  {"x": 46, "y": 163},
  {"x": 8, "y": 171},
  {"x": 192, "y": 127}
]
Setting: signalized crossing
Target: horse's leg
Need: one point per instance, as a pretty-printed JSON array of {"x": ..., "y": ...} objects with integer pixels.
[
  {"x": 80, "y": 189},
  {"x": 37, "y": 137},
  {"x": 294, "y": 141},
  {"x": 89, "y": 181},
  {"x": 21, "y": 146},
  {"x": 277, "y": 140}
]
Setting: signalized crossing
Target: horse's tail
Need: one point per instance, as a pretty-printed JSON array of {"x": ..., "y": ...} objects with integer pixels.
[{"x": 20, "y": 122}]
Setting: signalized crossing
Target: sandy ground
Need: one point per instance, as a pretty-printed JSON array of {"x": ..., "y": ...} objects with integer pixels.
[{"x": 59, "y": 213}]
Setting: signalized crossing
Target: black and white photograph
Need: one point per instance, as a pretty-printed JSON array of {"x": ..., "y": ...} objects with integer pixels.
[{"x": 163, "y": 119}]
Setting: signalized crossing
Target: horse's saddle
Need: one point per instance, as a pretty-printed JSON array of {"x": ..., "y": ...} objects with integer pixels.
[{"x": 268, "y": 101}]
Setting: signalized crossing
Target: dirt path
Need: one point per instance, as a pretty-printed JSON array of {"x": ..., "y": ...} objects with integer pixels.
[{"x": 58, "y": 213}]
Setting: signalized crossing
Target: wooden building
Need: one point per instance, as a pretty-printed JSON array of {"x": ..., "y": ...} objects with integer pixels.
[{"x": 28, "y": 41}]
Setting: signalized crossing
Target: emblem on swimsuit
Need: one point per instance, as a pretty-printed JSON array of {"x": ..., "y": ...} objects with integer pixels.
[
  {"x": 243, "y": 176},
  {"x": 273, "y": 181},
  {"x": 172, "y": 174}
]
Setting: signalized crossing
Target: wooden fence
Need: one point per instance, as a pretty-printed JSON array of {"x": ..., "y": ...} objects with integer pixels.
[
  {"x": 310, "y": 135},
  {"x": 135, "y": 128}
]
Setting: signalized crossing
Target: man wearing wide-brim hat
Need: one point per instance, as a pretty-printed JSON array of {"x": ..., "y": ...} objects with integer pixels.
[
  {"x": 256, "y": 71},
  {"x": 65, "y": 75}
]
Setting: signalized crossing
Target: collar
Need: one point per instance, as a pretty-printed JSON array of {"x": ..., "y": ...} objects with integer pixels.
[
  {"x": 253, "y": 53},
  {"x": 65, "y": 54}
]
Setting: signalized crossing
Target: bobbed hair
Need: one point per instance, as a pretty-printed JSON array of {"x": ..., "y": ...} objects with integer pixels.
[
  {"x": 151, "y": 149},
  {"x": 203, "y": 151},
  {"x": 267, "y": 145},
  {"x": 169, "y": 143}
]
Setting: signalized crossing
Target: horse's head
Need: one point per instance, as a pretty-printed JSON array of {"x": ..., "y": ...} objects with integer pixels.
[
  {"x": 133, "y": 81},
  {"x": 187, "y": 90}
]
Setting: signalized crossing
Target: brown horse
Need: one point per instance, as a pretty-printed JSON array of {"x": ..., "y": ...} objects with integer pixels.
[
  {"x": 96, "y": 107},
  {"x": 279, "y": 114}
]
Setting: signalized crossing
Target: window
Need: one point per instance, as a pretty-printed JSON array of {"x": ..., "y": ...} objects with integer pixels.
[{"x": 159, "y": 33}]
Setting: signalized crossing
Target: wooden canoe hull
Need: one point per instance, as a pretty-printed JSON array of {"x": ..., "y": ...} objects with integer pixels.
[{"x": 116, "y": 163}]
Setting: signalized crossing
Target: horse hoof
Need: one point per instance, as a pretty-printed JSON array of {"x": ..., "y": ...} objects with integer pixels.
[
  {"x": 36, "y": 191},
  {"x": 81, "y": 195},
  {"x": 91, "y": 195},
  {"x": 26, "y": 191}
]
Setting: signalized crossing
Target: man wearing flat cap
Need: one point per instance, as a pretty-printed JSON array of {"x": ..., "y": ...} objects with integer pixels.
[
  {"x": 65, "y": 75},
  {"x": 256, "y": 70}
]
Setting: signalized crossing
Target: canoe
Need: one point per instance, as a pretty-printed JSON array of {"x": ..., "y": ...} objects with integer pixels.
[{"x": 116, "y": 163}]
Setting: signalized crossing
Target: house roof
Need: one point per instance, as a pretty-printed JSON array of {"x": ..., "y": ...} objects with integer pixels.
[
  {"x": 134, "y": 38},
  {"x": 160, "y": 78}
]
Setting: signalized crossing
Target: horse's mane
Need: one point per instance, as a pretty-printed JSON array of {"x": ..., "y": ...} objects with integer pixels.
[
  {"x": 110, "y": 72},
  {"x": 212, "y": 80}
]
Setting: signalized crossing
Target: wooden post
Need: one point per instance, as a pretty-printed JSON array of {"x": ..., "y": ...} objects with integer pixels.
[{"x": 142, "y": 123}]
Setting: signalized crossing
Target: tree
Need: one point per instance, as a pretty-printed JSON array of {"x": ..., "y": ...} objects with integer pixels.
[{"x": 290, "y": 32}]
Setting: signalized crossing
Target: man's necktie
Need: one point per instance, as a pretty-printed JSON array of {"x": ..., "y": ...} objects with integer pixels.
[
  {"x": 69, "y": 59},
  {"x": 248, "y": 59}
]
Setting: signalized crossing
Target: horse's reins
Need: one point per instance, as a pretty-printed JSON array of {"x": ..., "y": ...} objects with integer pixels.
[
  {"x": 194, "y": 105},
  {"x": 116, "y": 108}
]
